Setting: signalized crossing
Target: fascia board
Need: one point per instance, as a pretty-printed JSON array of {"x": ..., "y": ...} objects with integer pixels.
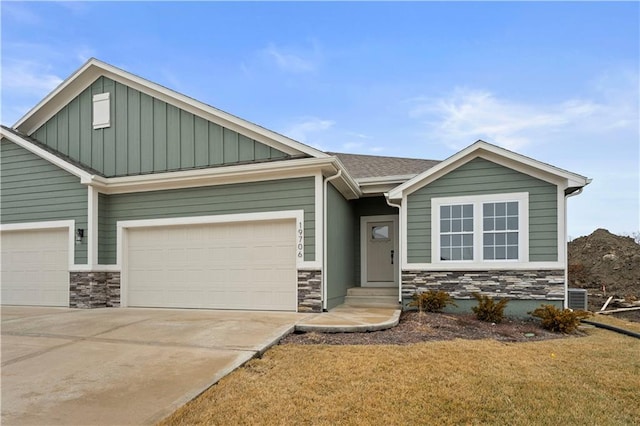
[
  {"x": 351, "y": 188},
  {"x": 211, "y": 176},
  {"x": 384, "y": 179},
  {"x": 69, "y": 83},
  {"x": 94, "y": 68},
  {"x": 85, "y": 177}
]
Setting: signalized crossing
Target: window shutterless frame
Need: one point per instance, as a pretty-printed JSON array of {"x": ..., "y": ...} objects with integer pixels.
[{"x": 517, "y": 204}]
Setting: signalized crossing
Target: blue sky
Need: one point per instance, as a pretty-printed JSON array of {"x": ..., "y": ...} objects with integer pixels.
[{"x": 555, "y": 81}]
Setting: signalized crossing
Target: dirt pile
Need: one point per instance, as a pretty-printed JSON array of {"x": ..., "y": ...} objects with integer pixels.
[{"x": 606, "y": 265}]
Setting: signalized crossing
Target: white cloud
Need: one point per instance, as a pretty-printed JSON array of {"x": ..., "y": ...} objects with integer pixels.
[
  {"x": 293, "y": 61},
  {"x": 309, "y": 130},
  {"x": 28, "y": 76},
  {"x": 466, "y": 115}
]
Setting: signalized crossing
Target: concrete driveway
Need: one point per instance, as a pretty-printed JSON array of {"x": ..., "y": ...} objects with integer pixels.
[{"x": 122, "y": 366}]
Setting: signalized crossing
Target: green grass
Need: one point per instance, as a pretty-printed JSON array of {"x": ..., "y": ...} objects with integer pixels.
[{"x": 588, "y": 380}]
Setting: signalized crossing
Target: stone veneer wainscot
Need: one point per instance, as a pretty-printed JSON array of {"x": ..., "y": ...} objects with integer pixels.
[
  {"x": 94, "y": 289},
  {"x": 309, "y": 291},
  {"x": 521, "y": 285}
]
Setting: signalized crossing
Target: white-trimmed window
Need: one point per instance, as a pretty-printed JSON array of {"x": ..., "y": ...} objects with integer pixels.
[{"x": 481, "y": 228}]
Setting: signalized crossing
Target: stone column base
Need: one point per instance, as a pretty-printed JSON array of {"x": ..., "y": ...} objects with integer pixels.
[
  {"x": 310, "y": 291},
  {"x": 94, "y": 290}
]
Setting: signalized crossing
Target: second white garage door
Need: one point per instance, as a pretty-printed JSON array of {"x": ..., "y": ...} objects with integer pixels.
[
  {"x": 247, "y": 265},
  {"x": 34, "y": 267}
]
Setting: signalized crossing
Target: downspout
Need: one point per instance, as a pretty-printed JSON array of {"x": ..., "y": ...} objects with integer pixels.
[
  {"x": 566, "y": 248},
  {"x": 399, "y": 207},
  {"x": 324, "y": 237}
]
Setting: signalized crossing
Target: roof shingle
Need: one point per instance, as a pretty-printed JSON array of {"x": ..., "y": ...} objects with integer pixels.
[{"x": 369, "y": 166}]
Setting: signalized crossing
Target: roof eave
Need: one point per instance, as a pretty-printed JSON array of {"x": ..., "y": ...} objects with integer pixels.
[
  {"x": 477, "y": 148},
  {"x": 94, "y": 68}
]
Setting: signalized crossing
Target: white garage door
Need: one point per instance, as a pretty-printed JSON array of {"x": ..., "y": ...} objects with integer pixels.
[
  {"x": 35, "y": 267},
  {"x": 248, "y": 265}
]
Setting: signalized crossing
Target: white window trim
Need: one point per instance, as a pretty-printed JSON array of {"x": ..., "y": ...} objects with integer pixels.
[{"x": 477, "y": 200}]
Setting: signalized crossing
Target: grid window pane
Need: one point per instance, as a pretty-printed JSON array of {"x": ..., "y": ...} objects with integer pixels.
[
  {"x": 445, "y": 254},
  {"x": 445, "y": 212},
  {"x": 488, "y": 253},
  {"x": 456, "y": 232},
  {"x": 498, "y": 218},
  {"x": 488, "y": 224}
]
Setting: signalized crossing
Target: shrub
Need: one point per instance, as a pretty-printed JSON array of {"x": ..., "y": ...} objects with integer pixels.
[
  {"x": 488, "y": 310},
  {"x": 559, "y": 321},
  {"x": 432, "y": 301}
]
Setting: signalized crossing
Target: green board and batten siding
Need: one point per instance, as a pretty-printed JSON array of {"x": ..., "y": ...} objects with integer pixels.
[
  {"x": 289, "y": 194},
  {"x": 146, "y": 135},
  {"x": 479, "y": 177},
  {"x": 34, "y": 190},
  {"x": 341, "y": 226}
]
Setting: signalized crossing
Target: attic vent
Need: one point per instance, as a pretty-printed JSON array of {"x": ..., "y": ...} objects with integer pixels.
[
  {"x": 577, "y": 298},
  {"x": 101, "y": 111}
]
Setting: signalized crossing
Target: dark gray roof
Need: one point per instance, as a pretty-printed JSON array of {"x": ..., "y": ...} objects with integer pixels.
[
  {"x": 368, "y": 166},
  {"x": 53, "y": 151}
]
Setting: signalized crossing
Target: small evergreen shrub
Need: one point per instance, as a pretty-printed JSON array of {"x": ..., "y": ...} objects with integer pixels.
[
  {"x": 431, "y": 301},
  {"x": 559, "y": 320},
  {"x": 488, "y": 310}
]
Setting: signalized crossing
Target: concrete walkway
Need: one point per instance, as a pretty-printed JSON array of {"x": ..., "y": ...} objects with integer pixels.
[
  {"x": 136, "y": 366},
  {"x": 349, "y": 319}
]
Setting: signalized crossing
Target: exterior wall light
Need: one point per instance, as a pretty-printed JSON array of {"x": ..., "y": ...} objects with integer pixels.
[{"x": 79, "y": 235}]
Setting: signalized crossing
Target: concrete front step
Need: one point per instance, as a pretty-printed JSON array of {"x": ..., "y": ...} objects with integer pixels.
[
  {"x": 372, "y": 301},
  {"x": 373, "y": 291}
]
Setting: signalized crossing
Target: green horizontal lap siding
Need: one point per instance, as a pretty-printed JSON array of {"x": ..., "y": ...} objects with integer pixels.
[
  {"x": 146, "y": 135},
  {"x": 34, "y": 190},
  {"x": 341, "y": 225},
  {"x": 267, "y": 196},
  {"x": 480, "y": 177}
]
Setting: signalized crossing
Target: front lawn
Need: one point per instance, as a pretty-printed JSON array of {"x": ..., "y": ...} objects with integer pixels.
[{"x": 587, "y": 380}]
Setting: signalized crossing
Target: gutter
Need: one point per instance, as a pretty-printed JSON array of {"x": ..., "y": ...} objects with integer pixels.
[
  {"x": 566, "y": 249},
  {"x": 399, "y": 207},
  {"x": 324, "y": 236}
]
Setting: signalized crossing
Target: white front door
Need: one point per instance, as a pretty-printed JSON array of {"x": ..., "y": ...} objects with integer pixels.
[{"x": 380, "y": 257}]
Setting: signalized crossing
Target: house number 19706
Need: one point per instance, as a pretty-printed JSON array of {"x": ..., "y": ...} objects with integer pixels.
[{"x": 300, "y": 247}]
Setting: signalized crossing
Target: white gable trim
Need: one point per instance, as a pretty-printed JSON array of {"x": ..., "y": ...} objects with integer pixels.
[
  {"x": 501, "y": 156},
  {"x": 94, "y": 68},
  {"x": 84, "y": 176}
]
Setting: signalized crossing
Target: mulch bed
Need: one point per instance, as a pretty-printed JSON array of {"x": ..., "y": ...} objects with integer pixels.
[{"x": 415, "y": 327}]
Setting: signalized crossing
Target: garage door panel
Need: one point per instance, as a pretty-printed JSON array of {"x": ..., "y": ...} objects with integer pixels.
[
  {"x": 34, "y": 267},
  {"x": 222, "y": 266}
]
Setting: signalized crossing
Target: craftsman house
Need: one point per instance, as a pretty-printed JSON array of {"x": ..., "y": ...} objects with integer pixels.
[{"x": 116, "y": 191}]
